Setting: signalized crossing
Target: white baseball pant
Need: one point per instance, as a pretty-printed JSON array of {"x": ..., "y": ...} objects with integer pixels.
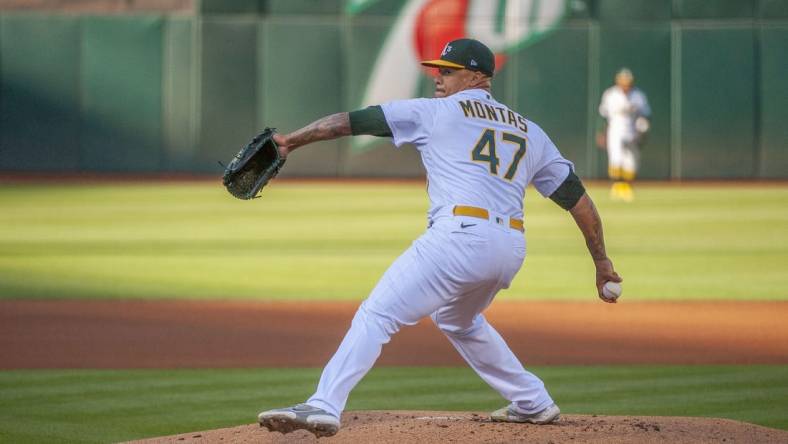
[
  {"x": 451, "y": 273},
  {"x": 623, "y": 154}
]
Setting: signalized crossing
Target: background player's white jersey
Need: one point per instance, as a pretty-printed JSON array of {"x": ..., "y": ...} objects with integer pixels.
[
  {"x": 621, "y": 109},
  {"x": 477, "y": 151}
]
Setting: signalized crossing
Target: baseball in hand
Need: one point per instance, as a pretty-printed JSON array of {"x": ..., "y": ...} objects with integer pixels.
[{"x": 611, "y": 290}]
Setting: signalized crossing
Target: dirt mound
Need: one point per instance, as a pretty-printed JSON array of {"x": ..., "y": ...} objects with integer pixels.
[{"x": 464, "y": 427}]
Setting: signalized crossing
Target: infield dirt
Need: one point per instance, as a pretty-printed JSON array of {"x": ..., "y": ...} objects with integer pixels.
[
  {"x": 226, "y": 334},
  {"x": 462, "y": 427}
]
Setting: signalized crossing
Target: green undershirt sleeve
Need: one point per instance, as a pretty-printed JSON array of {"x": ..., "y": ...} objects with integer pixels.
[
  {"x": 370, "y": 121},
  {"x": 567, "y": 195}
]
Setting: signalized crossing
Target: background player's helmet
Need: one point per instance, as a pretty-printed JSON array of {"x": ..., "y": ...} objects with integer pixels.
[
  {"x": 625, "y": 79},
  {"x": 625, "y": 73}
]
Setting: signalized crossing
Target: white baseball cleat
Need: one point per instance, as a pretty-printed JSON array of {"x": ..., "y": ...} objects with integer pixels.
[
  {"x": 509, "y": 414},
  {"x": 300, "y": 417}
]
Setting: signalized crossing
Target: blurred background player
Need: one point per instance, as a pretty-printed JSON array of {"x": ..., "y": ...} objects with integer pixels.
[{"x": 627, "y": 112}]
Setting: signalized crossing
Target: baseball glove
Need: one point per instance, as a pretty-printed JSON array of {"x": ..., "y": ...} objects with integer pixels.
[
  {"x": 253, "y": 166},
  {"x": 642, "y": 126}
]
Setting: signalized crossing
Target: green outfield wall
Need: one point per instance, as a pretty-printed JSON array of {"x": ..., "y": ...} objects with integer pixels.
[{"x": 176, "y": 93}]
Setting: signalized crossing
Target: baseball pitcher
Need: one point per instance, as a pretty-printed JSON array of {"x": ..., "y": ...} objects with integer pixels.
[
  {"x": 480, "y": 155},
  {"x": 627, "y": 112}
]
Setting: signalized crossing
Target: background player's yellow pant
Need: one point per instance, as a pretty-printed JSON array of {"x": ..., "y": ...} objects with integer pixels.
[{"x": 623, "y": 155}]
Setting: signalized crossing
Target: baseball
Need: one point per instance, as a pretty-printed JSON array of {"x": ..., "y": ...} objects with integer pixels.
[{"x": 611, "y": 290}]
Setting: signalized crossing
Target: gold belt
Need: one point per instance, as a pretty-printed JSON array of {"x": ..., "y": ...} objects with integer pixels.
[{"x": 481, "y": 213}]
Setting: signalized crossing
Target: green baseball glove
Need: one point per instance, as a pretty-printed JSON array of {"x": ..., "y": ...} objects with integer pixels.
[{"x": 253, "y": 166}]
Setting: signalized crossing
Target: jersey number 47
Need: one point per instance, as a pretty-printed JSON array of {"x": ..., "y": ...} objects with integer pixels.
[{"x": 484, "y": 151}]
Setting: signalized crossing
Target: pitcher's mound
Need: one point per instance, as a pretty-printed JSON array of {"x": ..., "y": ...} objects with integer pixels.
[{"x": 462, "y": 427}]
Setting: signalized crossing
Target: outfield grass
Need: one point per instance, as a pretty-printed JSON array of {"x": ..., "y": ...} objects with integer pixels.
[
  {"x": 334, "y": 240},
  {"x": 102, "y": 406}
]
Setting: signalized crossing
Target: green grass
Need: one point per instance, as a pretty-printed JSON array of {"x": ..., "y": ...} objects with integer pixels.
[
  {"x": 102, "y": 406},
  {"x": 333, "y": 241}
]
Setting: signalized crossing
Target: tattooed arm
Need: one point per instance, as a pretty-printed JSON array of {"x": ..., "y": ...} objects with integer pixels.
[
  {"x": 590, "y": 224},
  {"x": 327, "y": 128}
]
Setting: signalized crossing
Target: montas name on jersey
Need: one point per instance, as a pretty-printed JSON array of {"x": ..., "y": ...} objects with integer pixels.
[{"x": 479, "y": 110}]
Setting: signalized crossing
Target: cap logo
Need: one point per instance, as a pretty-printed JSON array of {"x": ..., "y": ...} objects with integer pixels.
[
  {"x": 473, "y": 62},
  {"x": 446, "y": 50}
]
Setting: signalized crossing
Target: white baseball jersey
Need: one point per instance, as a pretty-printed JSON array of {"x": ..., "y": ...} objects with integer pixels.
[
  {"x": 477, "y": 151},
  {"x": 622, "y": 109}
]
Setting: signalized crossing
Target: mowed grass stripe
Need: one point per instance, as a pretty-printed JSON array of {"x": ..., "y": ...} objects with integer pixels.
[
  {"x": 334, "y": 240},
  {"x": 102, "y": 406}
]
